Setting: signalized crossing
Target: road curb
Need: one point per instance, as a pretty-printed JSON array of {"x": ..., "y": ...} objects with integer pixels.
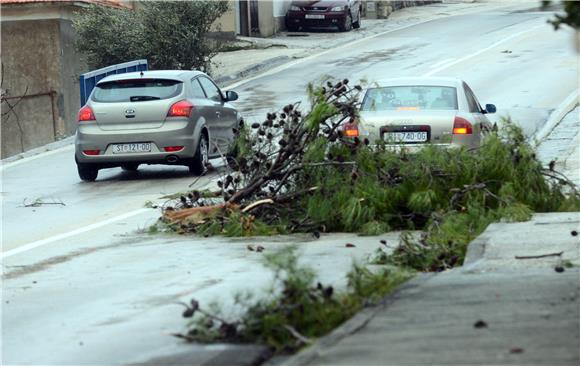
[
  {"x": 226, "y": 80},
  {"x": 53, "y": 146},
  {"x": 351, "y": 326},
  {"x": 476, "y": 248},
  {"x": 558, "y": 115}
]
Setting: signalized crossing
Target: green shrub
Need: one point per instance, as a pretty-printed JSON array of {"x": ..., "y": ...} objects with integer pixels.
[
  {"x": 297, "y": 309},
  {"x": 169, "y": 34}
]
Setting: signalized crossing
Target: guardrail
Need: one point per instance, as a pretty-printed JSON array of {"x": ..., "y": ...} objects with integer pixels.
[{"x": 90, "y": 79}]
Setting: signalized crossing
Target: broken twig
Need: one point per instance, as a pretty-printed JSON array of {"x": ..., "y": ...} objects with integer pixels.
[{"x": 540, "y": 256}]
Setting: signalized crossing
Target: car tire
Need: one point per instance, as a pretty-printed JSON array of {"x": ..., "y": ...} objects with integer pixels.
[
  {"x": 347, "y": 25},
  {"x": 201, "y": 157},
  {"x": 87, "y": 172},
  {"x": 356, "y": 25},
  {"x": 292, "y": 28},
  {"x": 130, "y": 167}
]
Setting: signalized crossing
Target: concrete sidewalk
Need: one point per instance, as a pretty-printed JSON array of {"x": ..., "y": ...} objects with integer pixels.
[{"x": 494, "y": 310}]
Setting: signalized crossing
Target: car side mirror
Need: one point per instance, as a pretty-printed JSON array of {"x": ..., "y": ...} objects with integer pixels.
[
  {"x": 231, "y": 96},
  {"x": 490, "y": 108}
]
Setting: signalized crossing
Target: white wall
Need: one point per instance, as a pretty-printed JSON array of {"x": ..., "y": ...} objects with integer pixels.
[{"x": 280, "y": 7}]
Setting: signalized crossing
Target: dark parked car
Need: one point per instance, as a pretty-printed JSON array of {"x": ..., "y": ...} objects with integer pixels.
[{"x": 344, "y": 14}]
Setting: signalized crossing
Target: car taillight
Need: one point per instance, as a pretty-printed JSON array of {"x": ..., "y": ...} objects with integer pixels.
[
  {"x": 461, "y": 126},
  {"x": 86, "y": 114},
  {"x": 180, "y": 109},
  {"x": 350, "y": 130},
  {"x": 91, "y": 152},
  {"x": 173, "y": 148}
]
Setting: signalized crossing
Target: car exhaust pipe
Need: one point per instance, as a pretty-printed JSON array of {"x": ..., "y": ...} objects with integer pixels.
[{"x": 172, "y": 159}]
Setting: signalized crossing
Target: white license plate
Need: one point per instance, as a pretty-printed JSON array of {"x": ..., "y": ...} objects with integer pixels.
[
  {"x": 137, "y": 147},
  {"x": 406, "y": 136},
  {"x": 314, "y": 16}
]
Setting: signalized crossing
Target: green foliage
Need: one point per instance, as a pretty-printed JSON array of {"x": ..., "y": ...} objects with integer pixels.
[
  {"x": 169, "y": 34},
  {"x": 570, "y": 17},
  {"x": 238, "y": 224},
  {"x": 297, "y": 309},
  {"x": 373, "y": 228},
  {"x": 339, "y": 184}
]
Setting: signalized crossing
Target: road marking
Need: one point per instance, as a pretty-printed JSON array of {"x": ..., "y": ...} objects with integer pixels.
[
  {"x": 483, "y": 50},
  {"x": 78, "y": 231},
  {"x": 441, "y": 63}
]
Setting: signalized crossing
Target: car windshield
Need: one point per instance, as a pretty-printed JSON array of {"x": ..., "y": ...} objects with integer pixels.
[
  {"x": 412, "y": 97},
  {"x": 136, "y": 90}
]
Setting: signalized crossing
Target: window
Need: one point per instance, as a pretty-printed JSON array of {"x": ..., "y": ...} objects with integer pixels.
[
  {"x": 136, "y": 90},
  {"x": 412, "y": 97},
  {"x": 471, "y": 101},
  {"x": 197, "y": 89},
  {"x": 211, "y": 90}
]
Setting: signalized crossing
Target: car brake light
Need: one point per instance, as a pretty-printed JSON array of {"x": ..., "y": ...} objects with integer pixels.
[
  {"x": 180, "y": 109},
  {"x": 350, "y": 130},
  {"x": 173, "y": 148},
  {"x": 86, "y": 114},
  {"x": 462, "y": 127},
  {"x": 91, "y": 152}
]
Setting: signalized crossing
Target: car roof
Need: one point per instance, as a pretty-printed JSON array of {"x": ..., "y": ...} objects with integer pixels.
[
  {"x": 428, "y": 80},
  {"x": 180, "y": 75}
]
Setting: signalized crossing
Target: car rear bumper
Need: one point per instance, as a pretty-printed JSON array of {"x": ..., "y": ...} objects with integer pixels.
[
  {"x": 331, "y": 19},
  {"x": 91, "y": 137}
]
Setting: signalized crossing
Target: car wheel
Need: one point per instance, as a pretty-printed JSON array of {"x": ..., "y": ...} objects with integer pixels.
[
  {"x": 131, "y": 167},
  {"x": 356, "y": 25},
  {"x": 201, "y": 157},
  {"x": 347, "y": 26},
  {"x": 87, "y": 172}
]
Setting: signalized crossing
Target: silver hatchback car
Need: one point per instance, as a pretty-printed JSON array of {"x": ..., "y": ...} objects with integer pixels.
[{"x": 154, "y": 117}]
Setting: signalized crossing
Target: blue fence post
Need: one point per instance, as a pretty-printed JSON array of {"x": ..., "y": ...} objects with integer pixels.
[{"x": 88, "y": 80}]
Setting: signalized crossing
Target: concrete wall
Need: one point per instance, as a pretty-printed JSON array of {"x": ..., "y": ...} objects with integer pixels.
[
  {"x": 39, "y": 54},
  {"x": 266, "y": 18},
  {"x": 30, "y": 54},
  {"x": 72, "y": 65},
  {"x": 227, "y": 22},
  {"x": 381, "y": 9}
]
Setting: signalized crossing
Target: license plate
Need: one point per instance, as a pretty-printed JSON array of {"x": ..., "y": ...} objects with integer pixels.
[
  {"x": 314, "y": 16},
  {"x": 406, "y": 136},
  {"x": 137, "y": 147}
]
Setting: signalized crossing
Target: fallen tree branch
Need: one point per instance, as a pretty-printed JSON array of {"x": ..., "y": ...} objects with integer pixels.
[
  {"x": 297, "y": 335},
  {"x": 198, "y": 213},
  {"x": 256, "y": 204},
  {"x": 540, "y": 256}
]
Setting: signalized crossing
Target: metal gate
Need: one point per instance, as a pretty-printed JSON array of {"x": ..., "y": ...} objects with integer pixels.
[{"x": 90, "y": 79}]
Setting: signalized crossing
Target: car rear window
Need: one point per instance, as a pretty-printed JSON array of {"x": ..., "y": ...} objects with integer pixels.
[
  {"x": 414, "y": 97},
  {"x": 136, "y": 90}
]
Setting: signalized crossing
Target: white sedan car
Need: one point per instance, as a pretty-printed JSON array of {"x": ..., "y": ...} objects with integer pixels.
[{"x": 414, "y": 111}]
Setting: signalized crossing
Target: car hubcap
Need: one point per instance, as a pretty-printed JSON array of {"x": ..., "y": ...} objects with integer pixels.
[{"x": 203, "y": 151}]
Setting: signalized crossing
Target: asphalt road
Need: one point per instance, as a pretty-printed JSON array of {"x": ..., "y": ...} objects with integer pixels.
[{"x": 510, "y": 58}]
